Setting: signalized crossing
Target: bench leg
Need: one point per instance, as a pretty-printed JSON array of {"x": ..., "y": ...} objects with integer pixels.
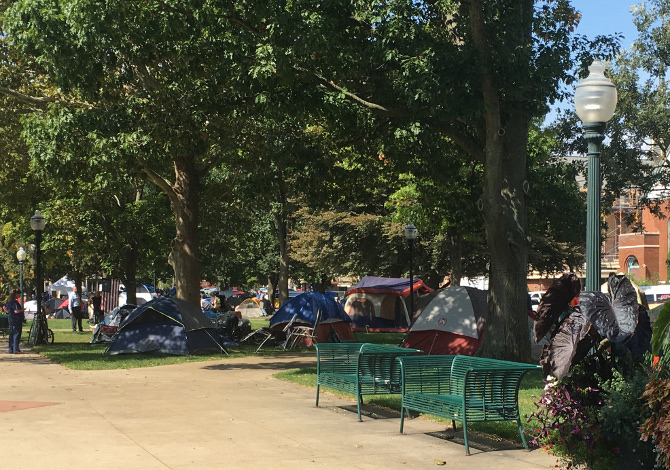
[
  {"x": 465, "y": 436},
  {"x": 523, "y": 439},
  {"x": 403, "y": 410},
  {"x": 317, "y": 395},
  {"x": 359, "y": 400}
]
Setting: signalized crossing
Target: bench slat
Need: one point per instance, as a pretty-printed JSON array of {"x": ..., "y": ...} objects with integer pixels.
[
  {"x": 463, "y": 388},
  {"x": 359, "y": 368}
]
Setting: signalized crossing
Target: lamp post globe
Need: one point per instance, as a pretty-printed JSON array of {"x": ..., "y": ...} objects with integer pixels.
[
  {"x": 37, "y": 223},
  {"x": 21, "y": 256},
  {"x": 595, "y": 102},
  {"x": 410, "y": 236}
]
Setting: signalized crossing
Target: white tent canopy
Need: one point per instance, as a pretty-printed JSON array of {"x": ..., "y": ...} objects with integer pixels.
[{"x": 62, "y": 285}]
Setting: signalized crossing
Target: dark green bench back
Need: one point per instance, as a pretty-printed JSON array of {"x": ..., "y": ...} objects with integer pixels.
[
  {"x": 338, "y": 358},
  {"x": 427, "y": 374},
  {"x": 490, "y": 387}
]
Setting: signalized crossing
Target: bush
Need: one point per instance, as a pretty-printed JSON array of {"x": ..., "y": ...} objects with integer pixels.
[
  {"x": 568, "y": 424},
  {"x": 657, "y": 401},
  {"x": 623, "y": 412},
  {"x": 595, "y": 421}
]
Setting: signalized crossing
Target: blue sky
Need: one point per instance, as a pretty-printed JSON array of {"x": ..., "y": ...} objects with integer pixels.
[
  {"x": 600, "y": 17},
  {"x": 607, "y": 17}
]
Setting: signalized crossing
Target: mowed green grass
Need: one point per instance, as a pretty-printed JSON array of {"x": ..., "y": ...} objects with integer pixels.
[{"x": 74, "y": 350}]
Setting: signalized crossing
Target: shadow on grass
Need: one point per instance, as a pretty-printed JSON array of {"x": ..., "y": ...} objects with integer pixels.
[
  {"x": 74, "y": 351},
  {"x": 505, "y": 432}
]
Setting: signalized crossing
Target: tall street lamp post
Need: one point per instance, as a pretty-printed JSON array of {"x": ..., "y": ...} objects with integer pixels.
[
  {"x": 595, "y": 101},
  {"x": 410, "y": 235},
  {"x": 37, "y": 223},
  {"x": 21, "y": 256}
]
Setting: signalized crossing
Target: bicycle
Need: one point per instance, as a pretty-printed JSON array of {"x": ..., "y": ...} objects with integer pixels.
[{"x": 40, "y": 333}]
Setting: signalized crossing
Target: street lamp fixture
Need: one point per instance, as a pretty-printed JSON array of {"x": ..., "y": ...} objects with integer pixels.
[
  {"x": 21, "y": 256},
  {"x": 410, "y": 235},
  {"x": 595, "y": 101},
  {"x": 37, "y": 223}
]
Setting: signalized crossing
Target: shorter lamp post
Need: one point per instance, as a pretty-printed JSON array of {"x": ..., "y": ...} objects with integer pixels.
[
  {"x": 410, "y": 235},
  {"x": 37, "y": 223},
  {"x": 595, "y": 101},
  {"x": 21, "y": 256}
]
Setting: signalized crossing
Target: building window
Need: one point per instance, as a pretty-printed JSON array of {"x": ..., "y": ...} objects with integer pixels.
[{"x": 632, "y": 265}]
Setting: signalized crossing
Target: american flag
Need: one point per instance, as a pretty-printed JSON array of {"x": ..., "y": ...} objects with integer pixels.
[{"x": 110, "y": 297}]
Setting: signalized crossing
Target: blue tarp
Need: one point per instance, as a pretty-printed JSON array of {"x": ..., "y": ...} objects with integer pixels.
[{"x": 307, "y": 305}]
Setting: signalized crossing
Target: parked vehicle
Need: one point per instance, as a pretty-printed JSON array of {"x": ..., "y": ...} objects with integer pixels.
[
  {"x": 535, "y": 298},
  {"x": 656, "y": 295}
]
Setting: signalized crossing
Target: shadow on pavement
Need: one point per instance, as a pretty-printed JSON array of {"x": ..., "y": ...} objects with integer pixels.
[{"x": 256, "y": 363}]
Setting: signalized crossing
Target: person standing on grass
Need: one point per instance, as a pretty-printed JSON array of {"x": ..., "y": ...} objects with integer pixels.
[
  {"x": 74, "y": 306},
  {"x": 15, "y": 313},
  {"x": 98, "y": 314}
]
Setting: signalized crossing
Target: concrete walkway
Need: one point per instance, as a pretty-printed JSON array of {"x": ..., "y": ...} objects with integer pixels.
[{"x": 227, "y": 414}]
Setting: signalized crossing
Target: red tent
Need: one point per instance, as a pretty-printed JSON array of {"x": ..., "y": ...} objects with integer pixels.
[
  {"x": 379, "y": 304},
  {"x": 449, "y": 321}
]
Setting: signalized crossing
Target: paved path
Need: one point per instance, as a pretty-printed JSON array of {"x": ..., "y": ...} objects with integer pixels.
[{"x": 227, "y": 414}]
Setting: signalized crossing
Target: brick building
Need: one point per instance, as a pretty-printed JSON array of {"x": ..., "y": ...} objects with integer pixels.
[{"x": 641, "y": 249}]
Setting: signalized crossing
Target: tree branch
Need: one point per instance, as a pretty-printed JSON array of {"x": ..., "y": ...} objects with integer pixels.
[
  {"x": 209, "y": 166},
  {"x": 146, "y": 78},
  {"x": 373, "y": 107},
  {"x": 159, "y": 181},
  {"x": 32, "y": 100},
  {"x": 469, "y": 145}
]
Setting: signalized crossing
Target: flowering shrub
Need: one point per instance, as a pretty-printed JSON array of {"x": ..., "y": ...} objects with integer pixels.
[
  {"x": 567, "y": 423},
  {"x": 624, "y": 411},
  {"x": 657, "y": 398}
]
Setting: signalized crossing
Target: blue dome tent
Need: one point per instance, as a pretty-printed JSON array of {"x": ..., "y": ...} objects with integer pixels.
[
  {"x": 166, "y": 325},
  {"x": 307, "y": 306}
]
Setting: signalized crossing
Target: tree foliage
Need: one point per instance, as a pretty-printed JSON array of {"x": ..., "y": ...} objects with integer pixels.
[{"x": 428, "y": 105}]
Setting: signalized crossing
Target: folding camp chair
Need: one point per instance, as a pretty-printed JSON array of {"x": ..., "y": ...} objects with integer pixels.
[
  {"x": 306, "y": 332},
  {"x": 268, "y": 333}
]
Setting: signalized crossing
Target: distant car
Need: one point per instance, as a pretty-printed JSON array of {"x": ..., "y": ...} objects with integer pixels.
[
  {"x": 535, "y": 298},
  {"x": 656, "y": 295}
]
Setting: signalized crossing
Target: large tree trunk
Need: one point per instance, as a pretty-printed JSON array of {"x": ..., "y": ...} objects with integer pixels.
[
  {"x": 272, "y": 286},
  {"x": 456, "y": 252},
  {"x": 503, "y": 204},
  {"x": 130, "y": 275},
  {"x": 185, "y": 245},
  {"x": 184, "y": 197},
  {"x": 282, "y": 235}
]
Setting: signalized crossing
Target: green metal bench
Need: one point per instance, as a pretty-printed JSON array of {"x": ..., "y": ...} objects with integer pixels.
[
  {"x": 359, "y": 369},
  {"x": 463, "y": 388}
]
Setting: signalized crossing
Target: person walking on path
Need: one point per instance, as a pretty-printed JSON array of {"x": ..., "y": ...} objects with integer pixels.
[
  {"x": 15, "y": 313},
  {"x": 74, "y": 306}
]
